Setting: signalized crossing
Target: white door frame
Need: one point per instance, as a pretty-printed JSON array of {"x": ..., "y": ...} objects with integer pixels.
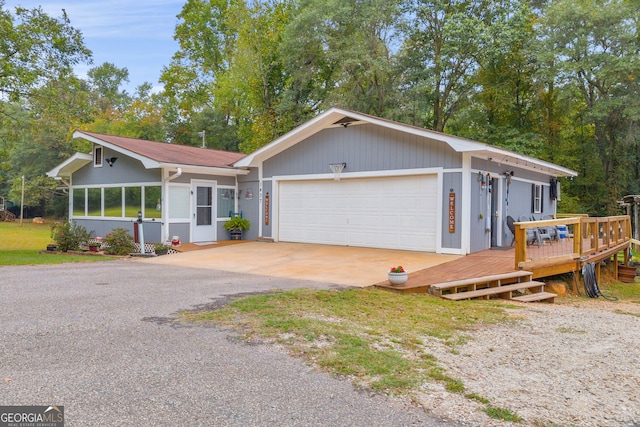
[{"x": 203, "y": 233}]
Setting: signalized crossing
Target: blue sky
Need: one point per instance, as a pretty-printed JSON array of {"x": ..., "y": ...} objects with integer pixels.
[{"x": 136, "y": 34}]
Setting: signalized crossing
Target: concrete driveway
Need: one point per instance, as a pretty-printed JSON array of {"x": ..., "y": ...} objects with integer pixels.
[
  {"x": 102, "y": 340},
  {"x": 340, "y": 265}
]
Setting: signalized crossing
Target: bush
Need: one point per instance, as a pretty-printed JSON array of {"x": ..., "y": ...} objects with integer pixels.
[
  {"x": 69, "y": 236},
  {"x": 237, "y": 222},
  {"x": 118, "y": 242}
]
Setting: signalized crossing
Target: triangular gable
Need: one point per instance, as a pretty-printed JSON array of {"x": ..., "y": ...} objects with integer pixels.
[{"x": 335, "y": 117}]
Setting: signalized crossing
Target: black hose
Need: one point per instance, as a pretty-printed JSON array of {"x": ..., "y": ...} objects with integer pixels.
[{"x": 591, "y": 282}]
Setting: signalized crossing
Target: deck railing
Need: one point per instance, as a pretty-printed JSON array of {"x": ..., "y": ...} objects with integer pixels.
[{"x": 569, "y": 238}]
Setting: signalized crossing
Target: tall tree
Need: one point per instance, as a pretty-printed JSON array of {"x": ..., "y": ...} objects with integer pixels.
[
  {"x": 593, "y": 47},
  {"x": 34, "y": 48},
  {"x": 341, "y": 52},
  {"x": 439, "y": 54}
]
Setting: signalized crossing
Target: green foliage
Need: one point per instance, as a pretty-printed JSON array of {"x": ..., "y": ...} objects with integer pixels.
[
  {"x": 237, "y": 222},
  {"x": 118, "y": 242},
  {"x": 159, "y": 247},
  {"x": 69, "y": 236},
  {"x": 502, "y": 414}
]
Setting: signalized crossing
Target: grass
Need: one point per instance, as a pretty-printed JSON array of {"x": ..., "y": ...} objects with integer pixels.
[
  {"x": 20, "y": 245},
  {"x": 374, "y": 337},
  {"x": 502, "y": 414}
]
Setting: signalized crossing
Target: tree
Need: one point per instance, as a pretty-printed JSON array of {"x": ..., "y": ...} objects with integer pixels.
[
  {"x": 106, "y": 81},
  {"x": 339, "y": 52},
  {"x": 593, "y": 48},
  {"x": 439, "y": 55},
  {"x": 35, "y": 48}
]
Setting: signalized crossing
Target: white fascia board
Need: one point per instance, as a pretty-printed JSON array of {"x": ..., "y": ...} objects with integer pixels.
[
  {"x": 146, "y": 162},
  {"x": 509, "y": 158},
  {"x": 69, "y": 166},
  {"x": 208, "y": 170}
]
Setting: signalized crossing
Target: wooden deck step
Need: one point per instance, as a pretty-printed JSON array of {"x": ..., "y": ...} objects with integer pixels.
[
  {"x": 538, "y": 296},
  {"x": 505, "y": 291},
  {"x": 471, "y": 284}
]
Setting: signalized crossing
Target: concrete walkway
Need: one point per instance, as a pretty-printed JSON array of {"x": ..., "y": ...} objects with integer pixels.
[{"x": 330, "y": 264}]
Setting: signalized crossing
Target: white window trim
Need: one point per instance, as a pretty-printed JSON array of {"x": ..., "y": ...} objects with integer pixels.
[
  {"x": 537, "y": 198},
  {"x": 98, "y": 161}
]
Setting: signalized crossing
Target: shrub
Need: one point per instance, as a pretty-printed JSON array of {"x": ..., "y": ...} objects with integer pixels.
[
  {"x": 69, "y": 236},
  {"x": 118, "y": 242},
  {"x": 237, "y": 222}
]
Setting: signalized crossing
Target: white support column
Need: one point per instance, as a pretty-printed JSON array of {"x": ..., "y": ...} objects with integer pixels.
[{"x": 465, "y": 224}]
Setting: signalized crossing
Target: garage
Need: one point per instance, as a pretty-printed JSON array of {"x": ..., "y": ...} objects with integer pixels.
[{"x": 389, "y": 212}]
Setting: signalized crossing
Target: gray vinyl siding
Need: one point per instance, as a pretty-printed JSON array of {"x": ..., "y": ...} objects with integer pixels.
[
  {"x": 124, "y": 171},
  {"x": 451, "y": 181},
  {"x": 182, "y": 230},
  {"x": 249, "y": 207},
  {"x": 519, "y": 196},
  {"x": 362, "y": 148},
  {"x": 101, "y": 227},
  {"x": 480, "y": 236}
]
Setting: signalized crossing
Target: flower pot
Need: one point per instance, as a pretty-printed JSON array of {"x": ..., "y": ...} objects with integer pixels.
[
  {"x": 52, "y": 248},
  {"x": 235, "y": 234},
  {"x": 93, "y": 248},
  {"x": 398, "y": 279},
  {"x": 162, "y": 251}
]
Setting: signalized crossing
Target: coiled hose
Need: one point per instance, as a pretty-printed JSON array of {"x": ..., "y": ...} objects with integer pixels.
[{"x": 591, "y": 282}]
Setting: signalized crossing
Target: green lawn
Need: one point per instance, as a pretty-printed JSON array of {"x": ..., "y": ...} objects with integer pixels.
[{"x": 20, "y": 245}]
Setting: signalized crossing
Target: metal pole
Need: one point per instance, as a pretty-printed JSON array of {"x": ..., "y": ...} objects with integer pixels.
[{"x": 22, "y": 202}]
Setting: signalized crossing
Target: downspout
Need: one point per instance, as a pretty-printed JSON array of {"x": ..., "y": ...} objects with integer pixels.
[{"x": 165, "y": 203}]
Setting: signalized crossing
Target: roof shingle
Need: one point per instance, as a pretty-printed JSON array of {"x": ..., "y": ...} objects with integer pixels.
[{"x": 163, "y": 152}]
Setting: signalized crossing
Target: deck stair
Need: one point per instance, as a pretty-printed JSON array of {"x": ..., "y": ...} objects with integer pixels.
[
  {"x": 6, "y": 215},
  {"x": 516, "y": 286}
]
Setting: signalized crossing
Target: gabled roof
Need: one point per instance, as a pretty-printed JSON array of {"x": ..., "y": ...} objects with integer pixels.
[
  {"x": 69, "y": 166},
  {"x": 158, "y": 154},
  {"x": 335, "y": 117}
]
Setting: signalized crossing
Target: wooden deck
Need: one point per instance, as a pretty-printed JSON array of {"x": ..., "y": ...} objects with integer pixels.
[
  {"x": 542, "y": 261},
  {"x": 479, "y": 264}
]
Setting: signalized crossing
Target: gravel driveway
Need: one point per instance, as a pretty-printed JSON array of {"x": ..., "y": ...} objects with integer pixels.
[{"x": 98, "y": 339}]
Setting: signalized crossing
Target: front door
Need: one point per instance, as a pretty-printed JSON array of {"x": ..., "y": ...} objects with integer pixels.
[{"x": 203, "y": 223}]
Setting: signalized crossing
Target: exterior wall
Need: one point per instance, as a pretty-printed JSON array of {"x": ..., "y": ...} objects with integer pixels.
[
  {"x": 480, "y": 234},
  {"x": 514, "y": 200},
  {"x": 452, "y": 181},
  {"x": 248, "y": 203},
  {"x": 128, "y": 171},
  {"x": 362, "y": 148},
  {"x": 182, "y": 230},
  {"x": 124, "y": 171},
  {"x": 100, "y": 228}
]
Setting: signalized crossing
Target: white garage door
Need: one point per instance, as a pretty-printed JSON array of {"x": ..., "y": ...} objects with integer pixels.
[{"x": 391, "y": 212}]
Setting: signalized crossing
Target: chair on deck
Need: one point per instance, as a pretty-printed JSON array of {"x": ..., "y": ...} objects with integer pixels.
[{"x": 532, "y": 235}]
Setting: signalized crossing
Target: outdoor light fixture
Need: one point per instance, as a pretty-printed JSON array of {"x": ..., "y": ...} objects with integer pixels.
[{"x": 111, "y": 161}]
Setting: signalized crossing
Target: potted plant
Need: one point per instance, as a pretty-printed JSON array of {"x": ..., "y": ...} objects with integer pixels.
[
  {"x": 52, "y": 247},
  {"x": 236, "y": 227},
  {"x": 160, "y": 249},
  {"x": 94, "y": 246},
  {"x": 397, "y": 276}
]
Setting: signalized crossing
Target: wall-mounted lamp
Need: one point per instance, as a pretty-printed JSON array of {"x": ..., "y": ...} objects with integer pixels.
[{"x": 111, "y": 160}]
